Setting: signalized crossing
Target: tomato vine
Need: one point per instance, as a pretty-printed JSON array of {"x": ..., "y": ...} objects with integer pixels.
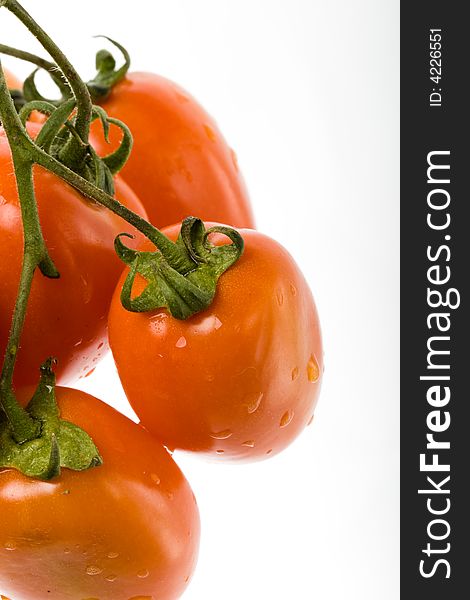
[{"x": 191, "y": 265}]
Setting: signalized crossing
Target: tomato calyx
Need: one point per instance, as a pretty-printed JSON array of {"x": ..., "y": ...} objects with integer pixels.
[
  {"x": 59, "y": 444},
  {"x": 55, "y": 132},
  {"x": 107, "y": 75},
  {"x": 181, "y": 277}
]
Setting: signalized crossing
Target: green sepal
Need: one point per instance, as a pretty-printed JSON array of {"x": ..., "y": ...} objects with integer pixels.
[
  {"x": 107, "y": 75},
  {"x": 31, "y": 92},
  {"x": 60, "y": 444},
  {"x": 116, "y": 160},
  {"x": 186, "y": 291}
]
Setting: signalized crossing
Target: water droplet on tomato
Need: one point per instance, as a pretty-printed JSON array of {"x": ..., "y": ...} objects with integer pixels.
[
  {"x": 87, "y": 291},
  {"x": 219, "y": 451},
  {"x": 210, "y": 133},
  {"x": 222, "y": 435},
  {"x": 295, "y": 373},
  {"x": 293, "y": 289},
  {"x": 93, "y": 570},
  {"x": 78, "y": 343},
  {"x": 310, "y": 420},
  {"x": 67, "y": 551},
  {"x": 113, "y": 554},
  {"x": 253, "y": 401},
  {"x": 100, "y": 345},
  {"x": 143, "y": 574},
  {"x": 313, "y": 370},
  {"x": 286, "y": 418},
  {"x": 90, "y": 372},
  {"x": 249, "y": 444},
  {"x": 10, "y": 546},
  {"x": 111, "y": 577},
  {"x": 269, "y": 451},
  {"x": 155, "y": 478},
  {"x": 181, "y": 343},
  {"x": 280, "y": 298}
]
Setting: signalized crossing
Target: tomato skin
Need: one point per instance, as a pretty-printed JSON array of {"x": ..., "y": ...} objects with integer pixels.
[
  {"x": 238, "y": 381},
  {"x": 126, "y": 529},
  {"x": 66, "y": 317},
  {"x": 13, "y": 83},
  {"x": 180, "y": 164}
]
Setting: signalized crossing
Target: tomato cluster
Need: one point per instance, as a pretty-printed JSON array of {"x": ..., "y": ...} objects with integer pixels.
[{"x": 239, "y": 380}]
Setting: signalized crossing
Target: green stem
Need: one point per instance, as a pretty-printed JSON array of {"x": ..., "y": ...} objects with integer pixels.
[
  {"x": 35, "y": 254},
  {"x": 28, "y": 57},
  {"x": 40, "y": 62},
  {"x": 74, "y": 152},
  {"x": 168, "y": 248}
]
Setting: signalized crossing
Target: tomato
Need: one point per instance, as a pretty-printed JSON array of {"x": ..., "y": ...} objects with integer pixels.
[
  {"x": 180, "y": 164},
  {"x": 13, "y": 82},
  {"x": 237, "y": 381},
  {"x": 127, "y": 529},
  {"x": 66, "y": 317}
]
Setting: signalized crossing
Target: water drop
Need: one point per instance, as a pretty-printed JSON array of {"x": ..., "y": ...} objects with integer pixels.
[
  {"x": 181, "y": 343},
  {"x": 293, "y": 289},
  {"x": 253, "y": 402},
  {"x": 143, "y": 574},
  {"x": 10, "y": 546},
  {"x": 155, "y": 478},
  {"x": 210, "y": 133},
  {"x": 249, "y": 444},
  {"x": 310, "y": 420},
  {"x": 295, "y": 373},
  {"x": 90, "y": 372},
  {"x": 217, "y": 323},
  {"x": 269, "y": 451},
  {"x": 67, "y": 550},
  {"x": 100, "y": 345},
  {"x": 113, "y": 554},
  {"x": 313, "y": 370},
  {"x": 111, "y": 577},
  {"x": 219, "y": 451},
  {"x": 280, "y": 298},
  {"x": 222, "y": 435},
  {"x": 78, "y": 343},
  {"x": 286, "y": 418},
  {"x": 93, "y": 570}
]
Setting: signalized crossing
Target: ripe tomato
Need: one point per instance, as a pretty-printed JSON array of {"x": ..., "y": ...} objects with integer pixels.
[
  {"x": 13, "y": 82},
  {"x": 180, "y": 164},
  {"x": 66, "y": 317},
  {"x": 237, "y": 381},
  {"x": 126, "y": 529}
]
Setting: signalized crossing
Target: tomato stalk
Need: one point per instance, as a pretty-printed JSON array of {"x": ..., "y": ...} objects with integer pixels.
[
  {"x": 74, "y": 152},
  {"x": 50, "y": 67},
  {"x": 181, "y": 276},
  {"x": 35, "y": 255},
  {"x": 34, "y": 440},
  {"x": 99, "y": 87}
]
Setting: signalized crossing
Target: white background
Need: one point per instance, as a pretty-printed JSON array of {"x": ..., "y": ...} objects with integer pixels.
[{"x": 307, "y": 93}]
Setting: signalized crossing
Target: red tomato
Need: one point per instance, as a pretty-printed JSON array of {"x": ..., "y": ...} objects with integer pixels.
[
  {"x": 237, "y": 381},
  {"x": 126, "y": 529},
  {"x": 13, "y": 82},
  {"x": 66, "y": 317},
  {"x": 180, "y": 164}
]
